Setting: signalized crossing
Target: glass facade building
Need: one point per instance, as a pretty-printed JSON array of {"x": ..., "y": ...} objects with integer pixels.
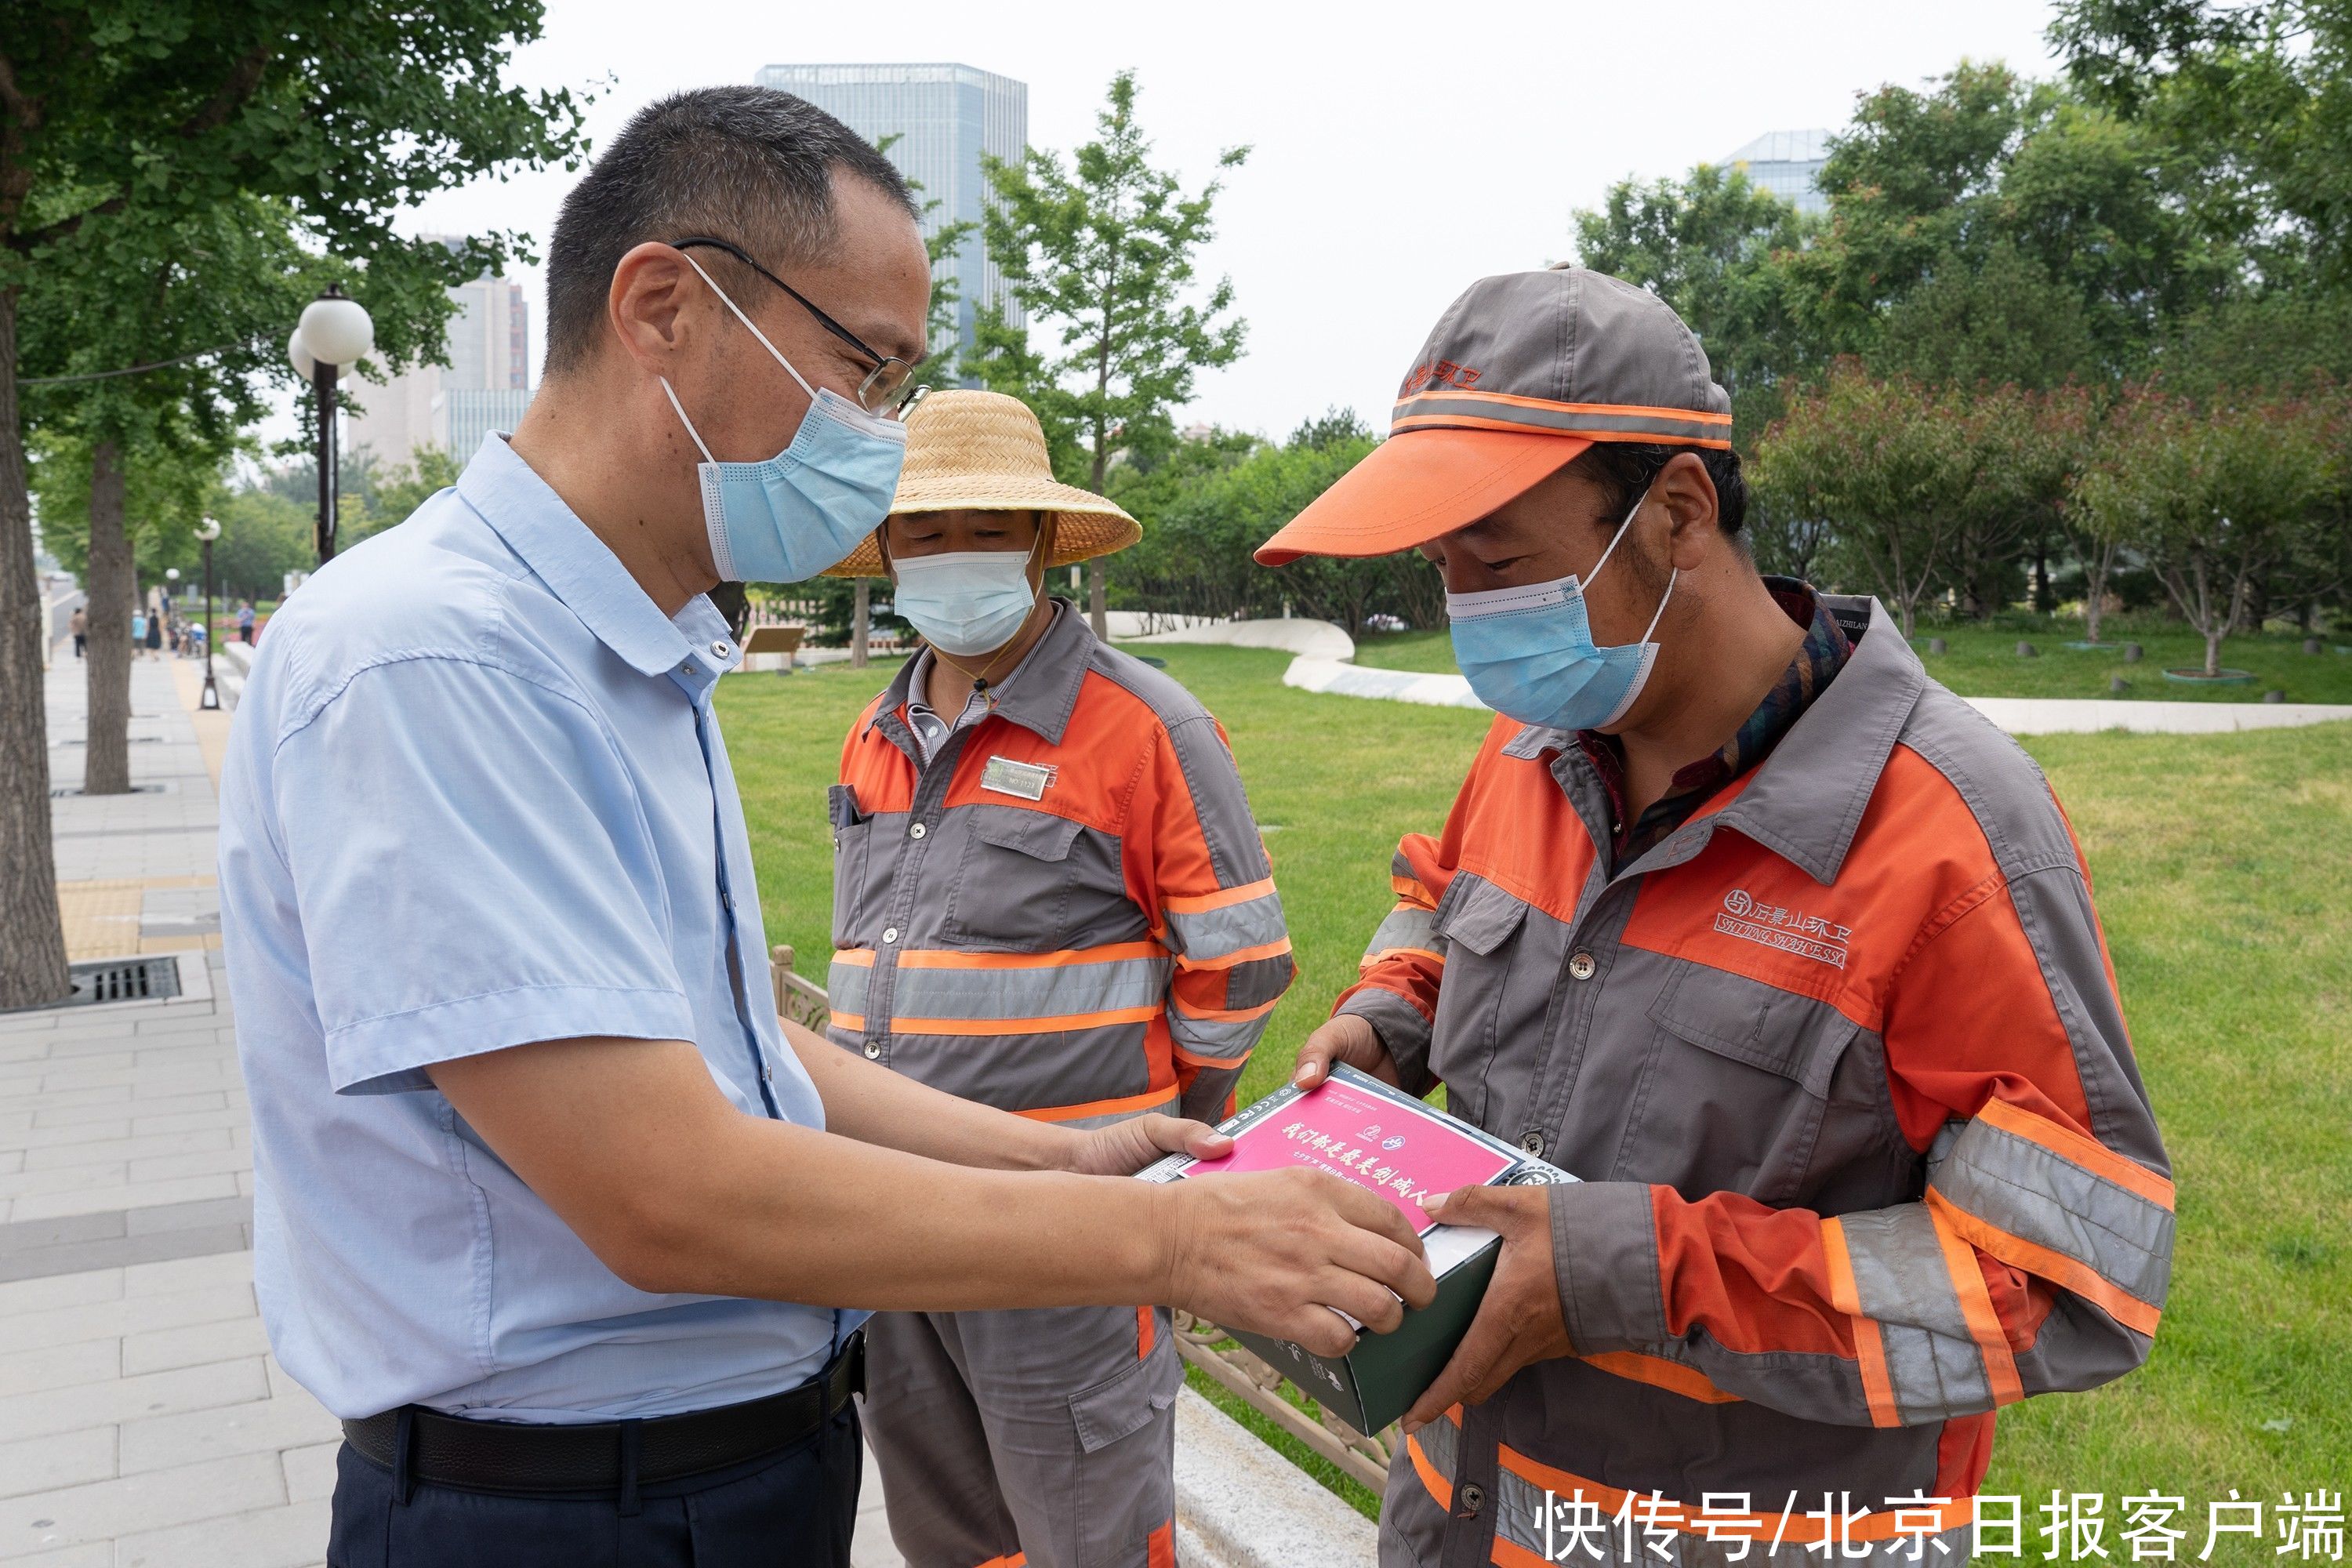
[
  {"x": 943, "y": 117},
  {"x": 470, "y": 413},
  {"x": 1787, "y": 164}
]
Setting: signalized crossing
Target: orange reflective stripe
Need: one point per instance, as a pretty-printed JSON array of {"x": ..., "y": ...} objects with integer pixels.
[
  {"x": 1660, "y": 1372},
  {"x": 1792, "y": 1528},
  {"x": 1870, "y": 1349},
  {"x": 854, "y": 1022},
  {"x": 1018, "y": 1560},
  {"x": 1440, "y": 1489},
  {"x": 1146, "y": 1327},
  {"x": 1237, "y": 1015},
  {"x": 1041, "y": 1026},
  {"x": 1147, "y": 1100},
  {"x": 1415, "y": 895},
  {"x": 1194, "y": 1060},
  {"x": 855, "y": 957},
  {"x": 2088, "y": 1152},
  {"x": 2080, "y": 1278},
  {"x": 1975, "y": 1305},
  {"x": 1159, "y": 1550},
  {"x": 1239, "y": 955},
  {"x": 1201, "y": 903},
  {"x": 945, "y": 958},
  {"x": 1519, "y": 400},
  {"x": 1471, "y": 422}
]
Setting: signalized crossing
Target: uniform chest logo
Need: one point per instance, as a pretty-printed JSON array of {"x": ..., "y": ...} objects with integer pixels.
[{"x": 1791, "y": 930}]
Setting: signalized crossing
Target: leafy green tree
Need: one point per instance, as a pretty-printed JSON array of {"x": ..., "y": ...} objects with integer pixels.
[
  {"x": 1876, "y": 456},
  {"x": 1100, "y": 252},
  {"x": 1713, "y": 246},
  {"x": 264, "y": 536},
  {"x": 2257, "y": 97},
  {"x": 2216, "y": 497},
  {"x": 123, "y": 125}
]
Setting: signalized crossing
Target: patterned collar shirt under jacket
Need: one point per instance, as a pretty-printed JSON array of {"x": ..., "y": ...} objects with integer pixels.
[
  {"x": 1865, "y": 1155},
  {"x": 476, "y": 797}
]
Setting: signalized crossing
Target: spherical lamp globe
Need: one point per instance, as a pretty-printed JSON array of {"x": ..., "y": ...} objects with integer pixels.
[
  {"x": 298, "y": 354},
  {"x": 336, "y": 331}
]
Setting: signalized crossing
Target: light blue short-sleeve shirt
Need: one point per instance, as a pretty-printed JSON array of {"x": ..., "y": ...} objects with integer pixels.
[{"x": 476, "y": 797}]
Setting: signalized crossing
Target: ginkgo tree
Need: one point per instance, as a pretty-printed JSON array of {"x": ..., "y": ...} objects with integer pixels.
[{"x": 1099, "y": 250}]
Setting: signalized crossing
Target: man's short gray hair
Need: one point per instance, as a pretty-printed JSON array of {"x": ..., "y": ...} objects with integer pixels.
[{"x": 748, "y": 164}]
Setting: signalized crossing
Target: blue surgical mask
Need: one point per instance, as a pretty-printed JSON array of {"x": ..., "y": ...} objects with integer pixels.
[
  {"x": 808, "y": 507},
  {"x": 965, "y": 602},
  {"x": 1528, "y": 652}
]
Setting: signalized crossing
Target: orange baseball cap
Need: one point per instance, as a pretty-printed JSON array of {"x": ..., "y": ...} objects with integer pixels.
[{"x": 1521, "y": 375}]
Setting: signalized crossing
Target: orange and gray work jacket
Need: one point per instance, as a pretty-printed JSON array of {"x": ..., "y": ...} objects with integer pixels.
[
  {"x": 1067, "y": 911},
  {"x": 1840, "y": 1059}
]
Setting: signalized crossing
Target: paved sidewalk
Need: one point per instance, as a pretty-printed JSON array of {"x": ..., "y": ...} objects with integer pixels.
[{"x": 142, "y": 1422}]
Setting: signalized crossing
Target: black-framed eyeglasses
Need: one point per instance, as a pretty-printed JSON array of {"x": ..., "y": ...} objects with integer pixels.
[{"x": 888, "y": 386}]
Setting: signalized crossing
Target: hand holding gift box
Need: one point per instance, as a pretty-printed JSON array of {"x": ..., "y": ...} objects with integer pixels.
[{"x": 1377, "y": 1137}]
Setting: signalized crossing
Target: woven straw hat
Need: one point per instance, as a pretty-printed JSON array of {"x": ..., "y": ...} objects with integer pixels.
[{"x": 986, "y": 451}]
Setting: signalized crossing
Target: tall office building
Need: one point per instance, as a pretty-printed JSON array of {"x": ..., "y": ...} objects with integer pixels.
[
  {"x": 485, "y": 386},
  {"x": 943, "y": 117},
  {"x": 1787, "y": 164}
]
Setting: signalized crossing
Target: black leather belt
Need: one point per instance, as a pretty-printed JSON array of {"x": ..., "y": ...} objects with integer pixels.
[{"x": 513, "y": 1458}]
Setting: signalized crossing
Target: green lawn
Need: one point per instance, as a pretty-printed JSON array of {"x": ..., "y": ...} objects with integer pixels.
[
  {"x": 1982, "y": 660},
  {"x": 2220, "y": 864}
]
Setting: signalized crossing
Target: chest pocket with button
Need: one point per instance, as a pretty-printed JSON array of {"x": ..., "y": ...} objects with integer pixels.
[
  {"x": 1489, "y": 994},
  {"x": 1741, "y": 1080},
  {"x": 1030, "y": 882}
]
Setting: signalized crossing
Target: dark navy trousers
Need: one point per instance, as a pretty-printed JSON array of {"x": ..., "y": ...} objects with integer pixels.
[{"x": 792, "y": 1509}]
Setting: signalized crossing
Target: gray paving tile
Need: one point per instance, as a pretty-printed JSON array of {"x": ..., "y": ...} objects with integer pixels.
[
  {"x": 256, "y": 1426},
  {"x": 289, "y": 1536},
  {"x": 126, "y": 1316},
  {"x": 157, "y": 1247},
  {"x": 60, "y": 1460},
  {"x": 50, "y": 1410},
  {"x": 130, "y": 1505}
]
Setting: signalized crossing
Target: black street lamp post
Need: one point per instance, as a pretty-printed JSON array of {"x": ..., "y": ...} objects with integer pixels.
[
  {"x": 335, "y": 331},
  {"x": 207, "y": 534}
]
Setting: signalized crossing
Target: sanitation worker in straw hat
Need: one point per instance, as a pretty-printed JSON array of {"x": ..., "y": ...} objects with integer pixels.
[{"x": 1049, "y": 896}]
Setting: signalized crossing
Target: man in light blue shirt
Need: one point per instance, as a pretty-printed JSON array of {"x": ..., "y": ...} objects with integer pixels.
[{"x": 551, "y": 1210}]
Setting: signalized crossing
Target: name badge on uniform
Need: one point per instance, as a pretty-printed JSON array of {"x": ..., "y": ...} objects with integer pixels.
[{"x": 1005, "y": 776}]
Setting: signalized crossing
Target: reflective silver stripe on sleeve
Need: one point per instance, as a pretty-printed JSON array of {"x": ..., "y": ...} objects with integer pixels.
[
  {"x": 1163, "y": 1107},
  {"x": 1212, "y": 933},
  {"x": 1405, "y": 928},
  {"x": 1223, "y": 1039},
  {"x": 1013, "y": 993},
  {"x": 1933, "y": 1365},
  {"x": 2039, "y": 1196}
]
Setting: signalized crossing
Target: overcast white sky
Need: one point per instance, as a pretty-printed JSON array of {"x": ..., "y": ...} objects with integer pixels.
[{"x": 1398, "y": 152}]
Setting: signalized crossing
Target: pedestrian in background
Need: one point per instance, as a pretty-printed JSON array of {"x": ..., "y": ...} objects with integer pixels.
[
  {"x": 80, "y": 626},
  {"x": 244, "y": 621},
  {"x": 155, "y": 636}
]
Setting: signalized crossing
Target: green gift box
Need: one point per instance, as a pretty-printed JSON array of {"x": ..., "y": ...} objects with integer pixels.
[{"x": 1376, "y": 1381}]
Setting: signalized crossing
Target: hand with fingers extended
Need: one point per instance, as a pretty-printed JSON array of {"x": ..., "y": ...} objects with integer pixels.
[
  {"x": 1519, "y": 1319},
  {"x": 1285, "y": 1252},
  {"x": 1344, "y": 1037},
  {"x": 1125, "y": 1147}
]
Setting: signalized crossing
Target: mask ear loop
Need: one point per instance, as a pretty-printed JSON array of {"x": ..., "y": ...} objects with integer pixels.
[
  {"x": 682, "y": 419},
  {"x": 1631, "y": 512},
  {"x": 755, "y": 330}
]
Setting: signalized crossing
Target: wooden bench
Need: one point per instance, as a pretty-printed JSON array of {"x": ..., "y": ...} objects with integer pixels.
[{"x": 785, "y": 640}]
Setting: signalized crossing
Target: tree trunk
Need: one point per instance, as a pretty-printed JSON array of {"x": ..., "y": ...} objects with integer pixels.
[
  {"x": 1097, "y": 592},
  {"x": 32, "y": 942},
  {"x": 2213, "y": 653},
  {"x": 861, "y": 624},
  {"x": 2095, "y": 579},
  {"x": 114, "y": 595},
  {"x": 2044, "y": 601}
]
